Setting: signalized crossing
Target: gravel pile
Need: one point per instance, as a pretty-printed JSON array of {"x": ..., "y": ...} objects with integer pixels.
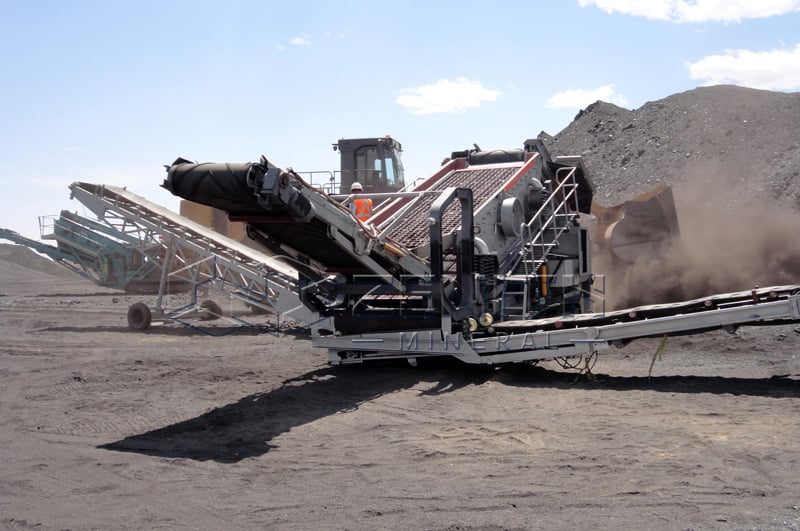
[
  {"x": 28, "y": 260},
  {"x": 736, "y": 142}
]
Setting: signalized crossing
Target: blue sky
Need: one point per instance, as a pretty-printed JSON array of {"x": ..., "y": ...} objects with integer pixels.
[{"x": 110, "y": 91}]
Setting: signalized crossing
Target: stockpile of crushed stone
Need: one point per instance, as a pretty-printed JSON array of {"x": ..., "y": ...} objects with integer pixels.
[
  {"x": 19, "y": 257},
  {"x": 24, "y": 272},
  {"x": 734, "y": 142}
]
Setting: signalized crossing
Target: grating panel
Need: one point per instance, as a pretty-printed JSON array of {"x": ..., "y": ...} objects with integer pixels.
[{"x": 485, "y": 182}]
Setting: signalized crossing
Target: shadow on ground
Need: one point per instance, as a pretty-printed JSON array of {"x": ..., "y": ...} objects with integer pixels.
[
  {"x": 187, "y": 330},
  {"x": 779, "y": 386},
  {"x": 245, "y": 428}
]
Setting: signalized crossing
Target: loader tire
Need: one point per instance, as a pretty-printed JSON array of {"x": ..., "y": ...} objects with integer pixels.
[
  {"x": 139, "y": 316},
  {"x": 210, "y": 310}
]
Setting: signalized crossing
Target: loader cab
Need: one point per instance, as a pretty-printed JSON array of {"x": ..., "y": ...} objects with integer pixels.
[{"x": 374, "y": 162}]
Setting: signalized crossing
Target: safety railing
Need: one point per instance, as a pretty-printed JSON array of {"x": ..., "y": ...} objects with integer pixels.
[
  {"x": 540, "y": 235},
  {"x": 538, "y": 238}
]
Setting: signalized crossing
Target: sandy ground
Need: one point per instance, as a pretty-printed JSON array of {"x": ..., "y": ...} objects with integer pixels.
[{"x": 104, "y": 428}]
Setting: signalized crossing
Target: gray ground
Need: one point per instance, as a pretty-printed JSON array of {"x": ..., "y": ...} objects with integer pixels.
[{"x": 103, "y": 428}]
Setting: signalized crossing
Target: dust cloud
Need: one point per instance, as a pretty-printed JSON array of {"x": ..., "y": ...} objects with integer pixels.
[{"x": 727, "y": 243}]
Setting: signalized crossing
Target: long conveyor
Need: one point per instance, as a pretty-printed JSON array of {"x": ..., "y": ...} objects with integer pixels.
[{"x": 189, "y": 252}]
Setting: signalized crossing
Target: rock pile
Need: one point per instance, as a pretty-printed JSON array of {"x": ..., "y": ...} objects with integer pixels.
[
  {"x": 734, "y": 141},
  {"x": 24, "y": 259}
]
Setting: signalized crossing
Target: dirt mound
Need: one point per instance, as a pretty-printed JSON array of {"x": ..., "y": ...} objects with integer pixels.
[
  {"x": 25, "y": 258},
  {"x": 25, "y": 272},
  {"x": 738, "y": 142}
]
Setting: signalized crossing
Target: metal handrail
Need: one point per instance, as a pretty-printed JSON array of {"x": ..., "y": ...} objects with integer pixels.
[{"x": 563, "y": 193}]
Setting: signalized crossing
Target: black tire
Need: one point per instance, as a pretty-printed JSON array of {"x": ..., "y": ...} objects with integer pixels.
[
  {"x": 139, "y": 316},
  {"x": 210, "y": 311}
]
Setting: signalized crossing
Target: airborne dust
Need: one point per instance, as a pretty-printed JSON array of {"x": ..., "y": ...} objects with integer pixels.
[{"x": 726, "y": 244}]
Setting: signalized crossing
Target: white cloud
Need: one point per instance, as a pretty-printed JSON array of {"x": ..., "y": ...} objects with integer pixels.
[
  {"x": 771, "y": 70},
  {"x": 446, "y": 96},
  {"x": 657, "y": 9},
  {"x": 696, "y": 10},
  {"x": 300, "y": 41},
  {"x": 580, "y": 98}
]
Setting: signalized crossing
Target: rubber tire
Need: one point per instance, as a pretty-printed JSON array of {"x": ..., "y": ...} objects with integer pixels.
[
  {"x": 139, "y": 316},
  {"x": 211, "y": 311}
]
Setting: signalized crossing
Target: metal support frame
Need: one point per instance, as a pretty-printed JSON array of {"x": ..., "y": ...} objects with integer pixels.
[
  {"x": 187, "y": 251},
  {"x": 549, "y": 344},
  {"x": 465, "y": 307}
]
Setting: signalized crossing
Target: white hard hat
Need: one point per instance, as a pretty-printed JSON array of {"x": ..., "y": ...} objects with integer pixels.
[{"x": 356, "y": 187}]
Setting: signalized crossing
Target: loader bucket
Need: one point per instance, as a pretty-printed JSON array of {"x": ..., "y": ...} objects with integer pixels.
[{"x": 640, "y": 226}]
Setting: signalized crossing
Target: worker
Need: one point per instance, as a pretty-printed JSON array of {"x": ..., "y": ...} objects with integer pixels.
[{"x": 362, "y": 208}]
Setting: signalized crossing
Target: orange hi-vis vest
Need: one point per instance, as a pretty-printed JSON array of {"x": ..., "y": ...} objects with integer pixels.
[{"x": 363, "y": 208}]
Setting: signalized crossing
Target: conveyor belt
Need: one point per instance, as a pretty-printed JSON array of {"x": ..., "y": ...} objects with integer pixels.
[
  {"x": 238, "y": 190},
  {"x": 104, "y": 197},
  {"x": 207, "y": 255},
  {"x": 639, "y": 313},
  {"x": 310, "y": 238},
  {"x": 529, "y": 340}
]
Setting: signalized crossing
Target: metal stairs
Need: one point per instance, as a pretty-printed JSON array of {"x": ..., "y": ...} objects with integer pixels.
[{"x": 539, "y": 241}]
